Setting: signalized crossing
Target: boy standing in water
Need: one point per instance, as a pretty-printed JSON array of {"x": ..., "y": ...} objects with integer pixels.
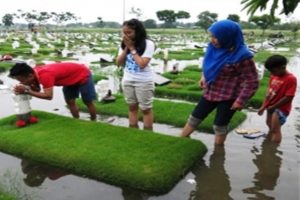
[{"x": 278, "y": 101}]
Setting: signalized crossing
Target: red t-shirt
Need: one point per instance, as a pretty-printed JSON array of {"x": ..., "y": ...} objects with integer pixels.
[
  {"x": 62, "y": 74},
  {"x": 280, "y": 86}
]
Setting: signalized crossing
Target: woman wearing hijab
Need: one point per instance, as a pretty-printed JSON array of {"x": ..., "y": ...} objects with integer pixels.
[{"x": 229, "y": 79}]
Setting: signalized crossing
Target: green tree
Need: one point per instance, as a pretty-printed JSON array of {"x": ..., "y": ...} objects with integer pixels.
[
  {"x": 150, "y": 23},
  {"x": 100, "y": 22},
  {"x": 168, "y": 16},
  {"x": 30, "y": 17},
  {"x": 43, "y": 17},
  {"x": 295, "y": 28},
  {"x": 8, "y": 20},
  {"x": 62, "y": 17},
  {"x": 182, "y": 15},
  {"x": 234, "y": 17},
  {"x": 265, "y": 21},
  {"x": 252, "y": 6},
  {"x": 205, "y": 19}
]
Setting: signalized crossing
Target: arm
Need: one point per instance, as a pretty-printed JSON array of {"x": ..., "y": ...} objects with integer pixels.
[
  {"x": 281, "y": 102},
  {"x": 45, "y": 94},
  {"x": 249, "y": 84},
  {"x": 202, "y": 83},
  {"x": 141, "y": 61},
  {"x": 120, "y": 61}
]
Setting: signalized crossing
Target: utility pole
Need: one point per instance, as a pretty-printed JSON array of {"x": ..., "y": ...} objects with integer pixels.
[{"x": 124, "y": 6}]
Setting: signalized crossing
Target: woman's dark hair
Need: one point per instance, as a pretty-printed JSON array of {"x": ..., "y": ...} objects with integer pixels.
[
  {"x": 20, "y": 69},
  {"x": 140, "y": 35},
  {"x": 275, "y": 61}
]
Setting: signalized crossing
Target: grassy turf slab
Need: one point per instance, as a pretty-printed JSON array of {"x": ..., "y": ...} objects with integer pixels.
[{"x": 116, "y": 155}]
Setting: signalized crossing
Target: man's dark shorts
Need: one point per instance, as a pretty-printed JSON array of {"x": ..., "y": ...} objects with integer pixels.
[{"x": 87, "y": 91}]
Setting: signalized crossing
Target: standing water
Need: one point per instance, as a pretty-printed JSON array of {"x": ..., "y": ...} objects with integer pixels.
[{"x": 243, "y": 169}]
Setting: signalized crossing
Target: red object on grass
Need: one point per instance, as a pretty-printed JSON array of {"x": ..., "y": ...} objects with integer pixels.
[
  {"x": 20, "y": 123},
  {"x": 33, "y": 120}
]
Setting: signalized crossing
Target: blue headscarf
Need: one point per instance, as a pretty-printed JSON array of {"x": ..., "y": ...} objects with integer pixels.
[{"x": 232, "y": 50}]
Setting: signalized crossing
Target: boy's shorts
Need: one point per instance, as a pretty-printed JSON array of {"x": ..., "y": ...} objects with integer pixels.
[
  {"x": 282, "y": 117},
  {"x": 87, "y": 91},
  {"x": 139, "y": 92}
]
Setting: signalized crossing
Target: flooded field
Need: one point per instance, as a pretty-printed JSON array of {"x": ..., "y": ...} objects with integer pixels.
[{"x": 244, "y": 169}]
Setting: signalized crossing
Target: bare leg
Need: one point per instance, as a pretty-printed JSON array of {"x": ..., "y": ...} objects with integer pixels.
[
  {"x": 73, "y": 108},
  {"x": 133, "y": 115},
  {"x": 148, "y": 119},
  {"x": 92, "y": 110},
  {"x": 275, "y": 131},
  {"x": 187, "y": 130},
  {"x": 269, "y": 124},
  {"x": 220, "y": 139}
]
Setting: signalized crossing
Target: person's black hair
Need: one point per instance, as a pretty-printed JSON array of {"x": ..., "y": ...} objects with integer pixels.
[
  {"x": 275, "y": 61},
  {"x": 140, "y": 35},
  {"x": 20, "y": 69}
]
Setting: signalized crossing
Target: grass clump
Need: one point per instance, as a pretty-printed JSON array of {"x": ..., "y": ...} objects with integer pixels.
[{"x": 117, "y": 155}]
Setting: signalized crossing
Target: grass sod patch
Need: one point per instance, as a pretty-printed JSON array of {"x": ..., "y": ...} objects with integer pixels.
[
  {"x": 165, "y": 112},
  {"x": 116, "y": 155}
]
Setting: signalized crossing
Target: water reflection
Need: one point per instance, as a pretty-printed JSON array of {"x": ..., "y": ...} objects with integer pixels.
[
  {"x": 36, "y": 173},
  {"x": 212, "y": 180},
  {"x": 132, "y": 194},
  {"x": 268, "y": 163}
]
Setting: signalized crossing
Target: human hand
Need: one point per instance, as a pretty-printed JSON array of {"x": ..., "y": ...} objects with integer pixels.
[
  {"x": 261, "y": 111},
  {"x": 129, "y": 43},
  {"x": 19, "y": 89},
  {"x": 236, "y": 106},
  {"x": 271, "y": 109},
  {"x": 202, "y": 83}
]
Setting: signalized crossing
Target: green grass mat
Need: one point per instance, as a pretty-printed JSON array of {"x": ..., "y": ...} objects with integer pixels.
[{"x": 117, "y": 155}]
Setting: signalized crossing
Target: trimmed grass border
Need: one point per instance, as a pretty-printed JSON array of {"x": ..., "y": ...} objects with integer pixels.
[{"x": 117, "y": 155}]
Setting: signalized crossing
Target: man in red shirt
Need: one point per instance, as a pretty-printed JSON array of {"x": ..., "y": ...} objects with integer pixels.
[
  {"x": 278, "y": 101},
  {"x": 75, "y": 78}
]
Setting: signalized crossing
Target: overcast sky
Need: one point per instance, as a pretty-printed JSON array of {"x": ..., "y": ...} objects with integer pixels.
[{"x": 112, "y": 10}]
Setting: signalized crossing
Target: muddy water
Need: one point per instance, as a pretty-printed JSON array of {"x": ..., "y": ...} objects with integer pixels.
[{"x": 244, "y": 169}]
